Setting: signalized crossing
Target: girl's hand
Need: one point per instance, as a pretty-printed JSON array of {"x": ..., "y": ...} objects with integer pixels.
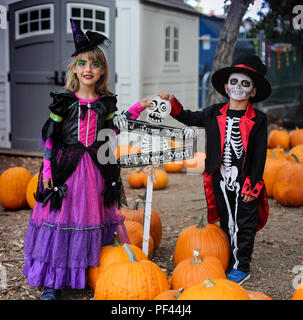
[
  {"x": 165, "y": 96},
  {"x": 145, "y": 103},
  {"x": 48, "y": 183},
  {"x": 247, "y": 198}
]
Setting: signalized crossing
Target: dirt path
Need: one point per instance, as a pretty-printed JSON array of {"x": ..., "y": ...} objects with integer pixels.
[{"x": 278, "y": 246}]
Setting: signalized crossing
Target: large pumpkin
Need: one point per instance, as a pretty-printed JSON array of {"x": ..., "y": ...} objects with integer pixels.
[
  {"x": 137, "y": 214},
  {"x": 135, "y": 234},
  {"x": 276, "y": 153},
  {"x": 209, "y": 238},
  {"x": 194, "y": 270},
  {"x": 169, "y": 294},
  {"x": 195, "y": 165},
  {"x": 31, "y": 190},
  {"x": 288, "y": 186},
  {"x": 123, "y": 150},
  {"x": 298, "y": 294},
  {"x": 161, "y": 179},
  {"x": 278, "y": 138},
  {"x": 131, "y": 280},
  {"x": 111, "y": 254},
  {"x": 13, "y": 185},
  {"x": 296, "y": 137},
  {"x": 270, "y": 172},
  {"x": 173, "y": 167},
  {"x": 217, "y": 289},
  {"x": 298, "y": 152}
]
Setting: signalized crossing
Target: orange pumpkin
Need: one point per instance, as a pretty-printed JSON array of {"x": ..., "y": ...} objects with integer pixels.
[
  {"x": 194, "y": 270},
  {"x": 123, "y": 150},
  {"x": 31, "y": 190},
  {"x": 137, "y": 214},
  {"x": 209, "y": 238},
  {"x": 288, "y": 186},
  {"x": 255, "y": 295},
  {"x": 217, "y": 289},
  {"x": 271, "y": 169},
  {"x": 195, "y": 165},
  {"x": 278, "y": 138},
  {"x": 296, "y": 137},
  {"x": 161, "y": 177},
  {"x": 135, "y": 234},
  {"x": 169, "y": 295},
  {"x": 111, "y": 254},
  {"x": 298, "y": 294},
  {"x": 298, "y": 152},
  {"x": 135, "y": 179},
  {"x": 276, "y": 153},
  {"x": 173, "y": 167},
  {"x": 13, "y": 185},
  {"x": 131, "y": 280}
]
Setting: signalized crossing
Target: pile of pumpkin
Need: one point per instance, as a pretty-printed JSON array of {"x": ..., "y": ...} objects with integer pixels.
[{"x": 283, "y": 172}]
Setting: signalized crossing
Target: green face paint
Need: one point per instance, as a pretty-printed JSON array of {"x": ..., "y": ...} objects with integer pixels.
[
  {"x": 81, "y": 63},
  {"x": 95, "y": 64}
]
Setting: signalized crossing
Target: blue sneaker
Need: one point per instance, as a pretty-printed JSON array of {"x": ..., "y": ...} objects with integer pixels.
[
  {"x": 48, "y": 294},
  {"x": 237, "y": 276}
]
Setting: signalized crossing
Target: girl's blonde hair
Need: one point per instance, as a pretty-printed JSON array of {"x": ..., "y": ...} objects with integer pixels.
[{"x": 72, "y": 82}]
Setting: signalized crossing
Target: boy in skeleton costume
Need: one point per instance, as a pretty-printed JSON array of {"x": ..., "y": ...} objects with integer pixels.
[{"x": 236, "y": 136}]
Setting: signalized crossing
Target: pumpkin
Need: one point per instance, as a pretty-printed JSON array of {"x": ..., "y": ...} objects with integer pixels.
[
  {"x": 278, "y": 138},
  {"x": 298, "y": 152},
  {"x": 135, "y": 234},
  {"x": 296, "y": 137},
  {"x": 137, "y": 214},
  {"x": 173, "y": 167},
  {"x": 255, "y": 295},
  {"x": 123, "y": 150},
  {"x": 31, "y": 190},
  {"x": 217, "y": 289},
  {"x": 135, "y": 179},
  {"x": 270, "y": 172},
  {"x": 111, "y": 254},
  {"x": 131, "y": 280},
  {"x": 298, "y": 294},
  {"x": 161, "y": 179},
  {"x": 209, "y": 238},
  {"x": 13, "y": 185},
  {"x": 276, "y": 153},
  {"x": 195, "y": 165},
  {"x": 288, "y": 186},
  {"x": 169, "y": 294},
  {"x": 194, "y": 270}
]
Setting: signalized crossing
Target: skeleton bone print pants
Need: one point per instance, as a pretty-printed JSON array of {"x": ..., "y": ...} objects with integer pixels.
[{"x": 239, "y": 220}]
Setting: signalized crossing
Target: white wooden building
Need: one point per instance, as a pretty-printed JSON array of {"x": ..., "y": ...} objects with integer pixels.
[{"x": 155, "y": 45}]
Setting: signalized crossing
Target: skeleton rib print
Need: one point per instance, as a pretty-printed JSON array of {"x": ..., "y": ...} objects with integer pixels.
[{"x": 233, "y": 137}]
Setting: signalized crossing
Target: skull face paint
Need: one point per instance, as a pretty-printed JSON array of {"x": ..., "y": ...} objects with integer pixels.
[
  {"x": 239, "y": 86},
  {"x": 160, "y": 110}
]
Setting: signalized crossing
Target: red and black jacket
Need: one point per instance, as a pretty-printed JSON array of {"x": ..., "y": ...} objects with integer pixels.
[{"x": 253, "y": 129}]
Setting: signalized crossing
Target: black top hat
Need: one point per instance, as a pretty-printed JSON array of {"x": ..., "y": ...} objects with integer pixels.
[
  {"x": 87, "y": 41},
  {"x": 250, "y": 65}
]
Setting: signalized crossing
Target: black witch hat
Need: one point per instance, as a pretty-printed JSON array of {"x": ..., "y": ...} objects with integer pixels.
[
  {"x": 87, "y": 41},
  {"x": 252, "y": 66}
]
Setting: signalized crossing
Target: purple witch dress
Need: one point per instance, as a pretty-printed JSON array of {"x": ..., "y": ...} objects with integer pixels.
[{"x": 62, "y": 242}]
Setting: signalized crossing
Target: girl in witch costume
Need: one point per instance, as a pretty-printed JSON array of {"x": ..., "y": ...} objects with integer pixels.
[
  {"x": 78, "y": 198},
  {"x": 236, "y": 135}
]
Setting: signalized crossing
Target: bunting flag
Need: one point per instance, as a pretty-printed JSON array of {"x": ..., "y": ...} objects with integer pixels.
[
  {"x": 294, "y": 54},
  {"x": 279, "y": 51},
  {"x": 256, "y": 44},
  {"x": 287, "y": 56},
  {"x": 268, "y": 55}
]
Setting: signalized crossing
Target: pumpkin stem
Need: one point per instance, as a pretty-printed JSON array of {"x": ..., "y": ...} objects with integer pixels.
[
  {"x": 208, "y": 283},
  {"x": 295, "y": 157},
  {"x": 200, "y": 224},
  {"x": 179, "y": 293},
  {"x": 136, "y": 204},
  {"x": 196, "y": 259},
  {"x": 272, "y": 154},
  {"x": 116, "y": 240},
  {"x": 130, "y": 254}
]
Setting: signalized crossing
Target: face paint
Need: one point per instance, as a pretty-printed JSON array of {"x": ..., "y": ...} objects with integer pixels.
[
  {"x": 239, "y": 86},
  {"x": 95, "y": 64}
]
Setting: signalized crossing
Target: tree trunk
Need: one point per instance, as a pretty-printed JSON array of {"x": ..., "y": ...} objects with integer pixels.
[{"x": 226, "y": 44}]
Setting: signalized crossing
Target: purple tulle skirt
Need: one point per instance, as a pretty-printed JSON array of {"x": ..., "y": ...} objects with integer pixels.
[{"x": 59, "y": 245}]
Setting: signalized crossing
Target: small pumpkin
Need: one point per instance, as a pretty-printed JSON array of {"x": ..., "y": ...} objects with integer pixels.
[
  {"x": 161, "y": 180},
  {"x": 298, "y": 152},
  {"x": 209, "y": 238},
  {"x": 173, "y": 167},
  {"x": 131, "y": 280},
  {"x": 31, "y": 190},
  {"x": 13, "y": 185},
  {"x": 195, "y": 165},
  {"x": 123, "y": 150},
  {"x": 135, "y": 179},
  {"x": 194, "y": 270},
  {"x": 296, "y": 137},
  {"x": 288, "y": 186},
  {"x": 278, "y": 138},
  {"x": 111, "y": 254},
  {"x": 169, "y": 294},
  {"x": 217, "y": 289},
  {"x": 255, "y": 295},
  {"x": 276, "y": 153}
]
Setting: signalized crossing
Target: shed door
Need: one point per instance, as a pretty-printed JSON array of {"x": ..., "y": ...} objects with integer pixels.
[{"x": 41, "y": 43}]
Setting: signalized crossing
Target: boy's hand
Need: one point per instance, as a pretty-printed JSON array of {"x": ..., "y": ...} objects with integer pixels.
[
  {"x": 165, "y": 96},
  {"x": 145, "y": 103},
  {"x": 247, "y": 198}
]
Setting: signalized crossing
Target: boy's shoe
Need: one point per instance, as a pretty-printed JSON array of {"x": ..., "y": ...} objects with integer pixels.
[
  {"x": 237, "y": 276},
  {"x": 48, "y": 294}
]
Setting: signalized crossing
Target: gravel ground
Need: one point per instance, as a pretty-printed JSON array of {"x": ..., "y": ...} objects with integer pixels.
[{"x": 278, "y": 246}]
